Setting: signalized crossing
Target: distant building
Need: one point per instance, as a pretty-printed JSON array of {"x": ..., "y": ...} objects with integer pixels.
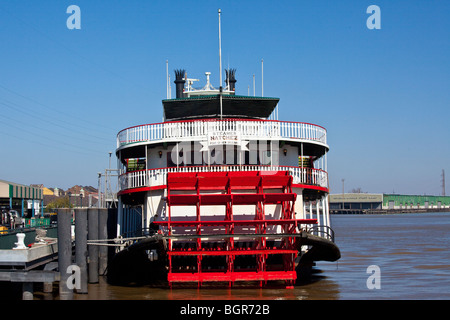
[
  {"x": 370, "y": 201},
  {"x": 361, "y": 201},
  {"x": 85, "y": 196},
  {"x": 47, "y": 191},
  {"x": 19, "y": 197},
  {"x": 57, "y": 192},
  {"x": 398, "y": 201}
]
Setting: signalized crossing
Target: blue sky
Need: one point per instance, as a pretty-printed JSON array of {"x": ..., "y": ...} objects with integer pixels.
[{"x": 383, "y": 95}]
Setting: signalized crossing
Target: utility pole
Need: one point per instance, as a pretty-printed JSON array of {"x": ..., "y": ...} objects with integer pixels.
[
  {"x": 343, "y": 201},
  {"x": 99, "y": 191},
  {"x": 443, "y": 182}
]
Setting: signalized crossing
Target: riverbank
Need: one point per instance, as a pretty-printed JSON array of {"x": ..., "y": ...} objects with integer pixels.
[{"x": 386, "y": 211}]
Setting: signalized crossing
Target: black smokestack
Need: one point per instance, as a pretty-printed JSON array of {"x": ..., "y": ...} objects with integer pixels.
[
  {"x": 179, "y": 82},
  {"x": 231, "y": 80}
]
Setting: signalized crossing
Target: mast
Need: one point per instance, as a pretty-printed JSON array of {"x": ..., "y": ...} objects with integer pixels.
[
  {"x": 262, "y": 77},
  {"x": 167, "y": 78},
  {"x": 254, "y": 93},
  {"x": 220, "y": 66}
]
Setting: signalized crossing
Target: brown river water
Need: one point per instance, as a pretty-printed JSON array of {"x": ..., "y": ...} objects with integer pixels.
[{"x": 410, "y": 252}]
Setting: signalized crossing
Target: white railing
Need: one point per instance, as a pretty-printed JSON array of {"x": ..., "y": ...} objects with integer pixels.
[
  {"x": 198, "y": 130},
  {"x": 158, "y": 177}
]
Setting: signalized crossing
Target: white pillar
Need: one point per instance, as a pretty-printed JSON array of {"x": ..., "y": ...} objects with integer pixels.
[
  {"x": 145, "y": 211},
  {"x": 327, "y": 212},
  {"x": 318, "y": 214},
  {"x": 304, "y": 211},
  {"x": 324, "y": 215},
  {"x": 119, "y": 216},
  {"x": 310, "y": 213}
]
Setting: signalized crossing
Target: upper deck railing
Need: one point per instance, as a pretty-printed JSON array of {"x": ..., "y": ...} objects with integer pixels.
[
  {"x": 199, "y": 129},
  {"x": 157, "y": 177}
]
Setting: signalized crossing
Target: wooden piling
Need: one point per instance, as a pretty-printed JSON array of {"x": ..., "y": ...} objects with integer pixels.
[
  {"x": 93, "y": 249},
  {"x": 81, "y": 252},
  {"x": 47, "y": 287},
  {"x": 64, "y": 252},
  {"x": 102, "y": 234}
]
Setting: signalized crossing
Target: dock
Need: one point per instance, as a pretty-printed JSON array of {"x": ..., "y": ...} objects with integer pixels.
[
  {"x": 58, "y": 253},
  {"x": 33, "y": 262}
]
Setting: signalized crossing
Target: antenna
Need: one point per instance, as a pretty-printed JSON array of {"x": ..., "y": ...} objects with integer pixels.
[
  {"x": 208, "y": 85},
  {"x": 167, "y": 78},
  {"x": 254, "y": 85},
  {"x": 262, "y": 78},
  {"x": 170, "y": 89},
  {"x": 228, "y": 77},
  {"x": 220, "y": 66}
]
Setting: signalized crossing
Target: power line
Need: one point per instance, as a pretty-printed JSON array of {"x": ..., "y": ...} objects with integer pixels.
[
  {"x": 33, "y": 27},
  {"x": 22, "y": 110},
  {"x": 45, "y": 130},
  {"x": 34, "y": 134},
  {"x": 60, "y": 146},
  {"x": 52, "y": 109}
]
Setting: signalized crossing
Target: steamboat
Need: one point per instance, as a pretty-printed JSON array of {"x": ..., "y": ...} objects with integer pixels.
[{"x": 221, "y": 191}]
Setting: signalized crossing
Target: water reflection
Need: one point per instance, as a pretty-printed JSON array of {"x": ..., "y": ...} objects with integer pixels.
[
  {"x": 318, "y": 288},
  {"x": 410, "y": 249}
]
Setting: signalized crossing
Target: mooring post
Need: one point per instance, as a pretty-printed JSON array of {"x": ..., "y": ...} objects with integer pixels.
[
  {"x": 81, "y": 253},
  {"x": 47, "y": 287},
  {"x": 102, "y": 234},
  {"x": 93, "y": 249},
  {"x": 64, "y": 252},
  {"x": 27, "y": 291}
]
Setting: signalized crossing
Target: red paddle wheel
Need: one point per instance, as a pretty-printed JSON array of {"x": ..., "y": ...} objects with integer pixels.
[{"x": 232, "y": 247}]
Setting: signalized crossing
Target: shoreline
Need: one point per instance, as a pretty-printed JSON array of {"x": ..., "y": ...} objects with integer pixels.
[{"x": 387, "y": 211}]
